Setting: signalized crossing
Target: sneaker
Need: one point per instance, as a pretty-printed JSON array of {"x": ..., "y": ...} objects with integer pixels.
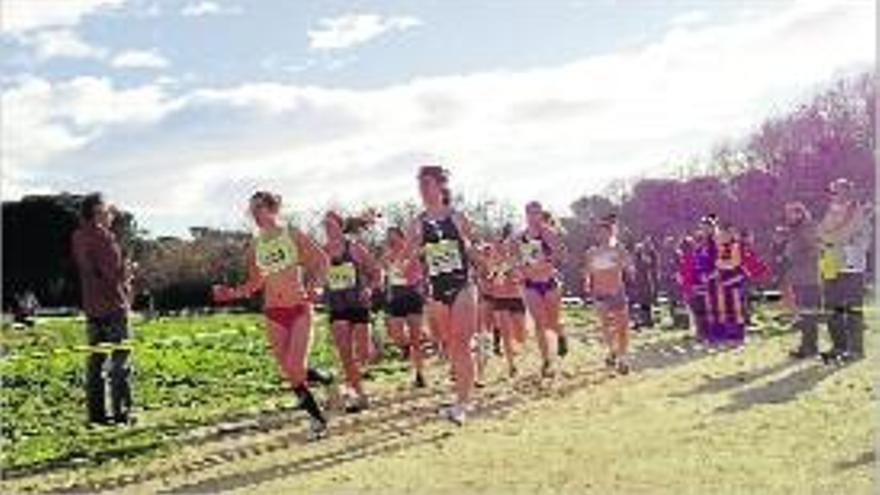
[
  {"x": 512, "y": 372},
  {"x": 562, "y": 345},
  {"x": 322, "y": 377},
  {"x": 454, "y": 413},
  {"x": 611, "y": 361},
  {"x": 317, "y": 430},
  {"x": 124, "y": 419},
  {"x": 801, "y": 354},
  {"x": 357, "y": 405},
  {"x": 832, "y": 357},
  {"x": 622, "y": 367}
]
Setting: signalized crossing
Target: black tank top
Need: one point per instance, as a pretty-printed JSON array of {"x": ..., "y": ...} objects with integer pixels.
[
  {"x": 343, "y": 281},
  {"x": 443, "y": 251}
]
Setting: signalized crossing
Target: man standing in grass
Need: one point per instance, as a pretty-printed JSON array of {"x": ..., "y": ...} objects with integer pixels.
[
  {"x": 801, "y": 273},
  {"x": 105, "y": 278},
  {"x": 845, "y": 232}
]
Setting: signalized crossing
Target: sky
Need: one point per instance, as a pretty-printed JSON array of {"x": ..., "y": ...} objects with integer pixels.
[{"x": 178, "y": 109}]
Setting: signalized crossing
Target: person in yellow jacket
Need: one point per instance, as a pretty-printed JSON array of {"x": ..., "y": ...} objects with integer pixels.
[{"x": 846, "y": 239}]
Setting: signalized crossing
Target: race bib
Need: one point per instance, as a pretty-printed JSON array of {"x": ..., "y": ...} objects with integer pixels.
[
  {"x": 501, "y": 272},
  {"x": 342, "y": 277},
  {"x": 531, "y": 251},
  {"x": 443, "y": 257},
  {"x": 396, "y": 276},
  {"x": 606, "y": 260},
  {"x": 275, "y": 255}
]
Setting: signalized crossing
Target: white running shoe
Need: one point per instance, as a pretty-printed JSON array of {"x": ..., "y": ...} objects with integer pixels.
[
  {"x": 455, "y": 413},
  {"x": 317, "y": 430}
]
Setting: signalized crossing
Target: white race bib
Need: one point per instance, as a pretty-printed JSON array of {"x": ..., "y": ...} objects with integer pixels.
[
  {"x": 443, "y": 257},
  {"x": 342, "y": 277},
  {"x": 532, "y": 251},
  {"x": 396, "y": 276}
]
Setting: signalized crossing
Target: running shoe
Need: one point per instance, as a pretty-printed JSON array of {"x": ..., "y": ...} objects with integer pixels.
[
  {"x": 454, "y": 413},
  {"x": 315, "y": 375},
  {"x": 611, "y": 361},
  {"x": 622, "y": 367},
  {"x": 359, "y": 404},
  {"x": 317, "y": 430}
]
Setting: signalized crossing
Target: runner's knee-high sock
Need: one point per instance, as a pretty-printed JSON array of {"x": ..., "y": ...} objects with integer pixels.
[{"x": 307, "y": 401}]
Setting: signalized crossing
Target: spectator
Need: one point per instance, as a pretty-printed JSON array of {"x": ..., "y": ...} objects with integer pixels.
[
  {"x": 669, "y": 263},
  {"x": 779, "y": 266},
  {"x": 846, "y": 238},
  {"x": 802, "y": 273},
  {"x": 726, "y": 287},
  {"x": 643, "y": 285},
  {"x": 698, "y": 269},
  {"x": 106, "y": 291}
]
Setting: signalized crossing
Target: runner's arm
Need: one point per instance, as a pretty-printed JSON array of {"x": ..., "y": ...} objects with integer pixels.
[
  {"x": 369, "y": 263},
  {"x": 314, "y": 258},
  {"x": 557, "y": 247},
  {"x": 252, "y": 284},
  {"x": 588, "y": 276},
  {"x": 464, "y": 229}
]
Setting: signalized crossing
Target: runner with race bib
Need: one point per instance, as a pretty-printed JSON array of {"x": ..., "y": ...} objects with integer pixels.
[{"x": 442, "y": 236}]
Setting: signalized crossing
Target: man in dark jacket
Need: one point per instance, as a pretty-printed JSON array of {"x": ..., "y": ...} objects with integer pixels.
[
  {"x": 105, "y": 278},
  {"x": 801, "y": 270}
]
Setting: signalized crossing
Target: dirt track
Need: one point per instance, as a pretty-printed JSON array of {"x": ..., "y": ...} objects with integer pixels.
[{"x": 268, "y": 450}]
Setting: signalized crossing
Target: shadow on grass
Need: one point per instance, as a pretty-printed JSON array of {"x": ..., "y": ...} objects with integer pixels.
[
  {"x": 715, "y": 385},
  {"x": 868, "y": 457},
  {"x": 782, "y": 390}
]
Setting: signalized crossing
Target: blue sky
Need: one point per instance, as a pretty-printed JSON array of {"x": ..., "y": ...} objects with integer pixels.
[{"x": 177, "y": 109}]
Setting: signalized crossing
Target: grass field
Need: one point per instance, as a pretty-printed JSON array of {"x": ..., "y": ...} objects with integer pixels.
[{"x": 689, "y": 420}]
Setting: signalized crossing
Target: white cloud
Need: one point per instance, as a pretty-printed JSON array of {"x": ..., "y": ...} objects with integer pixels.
[
  {"x": 140, "y": 59},
  {"x": 206, "y": 7},
  {"x": 48, "y": 120},
  {"x": 19, "y": 16},
  {"x": 690, "y": 18},
  {"x": 355, "y": 29},
  {"x": 61, "y": 43},
  {"x": 551, "y": 133}
]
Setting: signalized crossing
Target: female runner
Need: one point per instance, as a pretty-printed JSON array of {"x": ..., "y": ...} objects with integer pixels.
[
  {"x": 443, "y": 237},
  {"x": 277, "y": 260},
  {"x": 541, "y": 250},
  {"x": 405, "y": 302},
  {"x": 352, "y": 274},
  {"x": 606, "y": 264},
  {"x": 507, "y": 301}
]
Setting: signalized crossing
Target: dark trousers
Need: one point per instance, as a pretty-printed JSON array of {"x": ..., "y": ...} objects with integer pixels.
[
  {"x": 846, "y": 321},
  {"x": 642, "y": 314},
  {"x": 808, "y": 302},
  {"x": 114, "y": 330},
  {"x": 677, "y": 311}
]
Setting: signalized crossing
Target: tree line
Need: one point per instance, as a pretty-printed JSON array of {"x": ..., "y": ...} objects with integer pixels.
[{"x": 792, "y": 156}]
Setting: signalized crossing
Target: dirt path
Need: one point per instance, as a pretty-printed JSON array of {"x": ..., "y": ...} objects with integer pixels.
[{"x": 689, "y": 419}]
